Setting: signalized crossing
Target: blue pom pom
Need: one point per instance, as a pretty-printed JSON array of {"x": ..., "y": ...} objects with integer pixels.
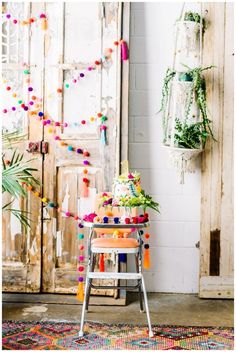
[
  {"x": 40, "y": 113},
  {"x": 116, "y": 220},
  {"x": 141, "y": 232},
  {"x": 105, "y": 219},
  {"x": 70, "y": 148}
]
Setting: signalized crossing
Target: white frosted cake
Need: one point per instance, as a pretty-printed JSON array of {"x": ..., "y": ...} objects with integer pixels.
[{"x": 126, "y": 186}]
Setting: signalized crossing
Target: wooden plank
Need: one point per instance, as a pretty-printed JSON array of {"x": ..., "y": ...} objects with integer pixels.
[
  {"x": 211, "y": 158},
  {"x": 217, "y": 160},
  {"x": 216, "y": 287},
  {"x": 227, "y": 186}
]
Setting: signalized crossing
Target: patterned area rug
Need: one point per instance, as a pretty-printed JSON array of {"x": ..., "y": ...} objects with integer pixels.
[{"x": 19, "y": 335}]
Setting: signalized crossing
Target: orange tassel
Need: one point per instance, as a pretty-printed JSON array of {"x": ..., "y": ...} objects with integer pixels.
[
  {"x": 44, "y": 24},
  {"x": 80, "y": 292},
  {"x": 84, "y": 188},
  {"x": 101, "y": 263},
  {"x": 146, "y": 259}
]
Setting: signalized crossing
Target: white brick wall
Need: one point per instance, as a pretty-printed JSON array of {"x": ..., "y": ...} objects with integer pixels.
[{"x": 175, "y": 259}]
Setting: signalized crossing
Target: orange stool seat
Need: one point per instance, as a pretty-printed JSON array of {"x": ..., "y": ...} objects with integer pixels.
[{"x": 115, "y": 243}]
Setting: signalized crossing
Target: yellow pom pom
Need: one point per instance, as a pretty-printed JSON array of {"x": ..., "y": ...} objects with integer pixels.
[
  {"x": 44, "y": 200},
  {"x": 92, "y": 119},
  {"x": 36, "y": 194},
  {"x": 116, "y": 234},
  {"x": 50, "y": 130}
]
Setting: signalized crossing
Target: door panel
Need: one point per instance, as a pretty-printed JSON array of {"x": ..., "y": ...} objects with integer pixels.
[
  {"x": 216, "y": 243},
  {"x": 84, "y": 30},
  {"x": 22, "y": 248}
]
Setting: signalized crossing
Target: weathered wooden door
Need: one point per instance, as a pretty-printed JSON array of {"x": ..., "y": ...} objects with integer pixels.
[
  {"x": 78, "y": 34},
  {"x": 216, "y": 243},
  {"x": 21, "y": 249}
]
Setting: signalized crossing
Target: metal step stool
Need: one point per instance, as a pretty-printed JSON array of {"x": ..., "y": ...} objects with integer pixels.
[{"x": 115, "y": 248}]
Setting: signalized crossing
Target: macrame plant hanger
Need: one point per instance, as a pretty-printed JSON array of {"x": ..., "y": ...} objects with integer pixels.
[{"x": 183, "y": 159}]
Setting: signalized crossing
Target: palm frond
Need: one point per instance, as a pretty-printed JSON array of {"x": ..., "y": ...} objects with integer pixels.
[
  {"x": 17, "y": 172},
  {"x": 21, "y": 215},
  {"x": 9, "y": 139}
]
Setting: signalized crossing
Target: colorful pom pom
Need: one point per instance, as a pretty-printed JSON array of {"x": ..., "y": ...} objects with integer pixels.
[
  {"x": 80, "y": 236},
  {"x": 79, "y": 151},
  {"x": 81, "y": 247},
  {"x": 116, "y": 220},
  {"x": 44, "y": 200},
  {"x": 105, "y": 219},
  {"x": 70, "y": 148},
  {"x": 76, "y": 217}
]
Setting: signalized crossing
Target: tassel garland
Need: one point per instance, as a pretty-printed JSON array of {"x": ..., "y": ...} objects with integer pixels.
[
  {"x": 124, "y": 51},
  {"x": 103, "y": 134},
  {"x": 101, "y": 263},
  {"x": 85, "y": 188},
  {"x": 146, "y": 259}
]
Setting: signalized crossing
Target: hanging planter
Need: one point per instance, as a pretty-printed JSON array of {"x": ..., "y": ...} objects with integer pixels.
[
  {"x": 184, "y": 160},
  {"x": 185, "y": 123},
  {"x": 188, "y": 31}
]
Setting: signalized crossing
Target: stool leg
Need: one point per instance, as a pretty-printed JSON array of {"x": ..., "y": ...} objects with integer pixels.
[
  {"x": 81, "y": 332},
  {"x": 90, "y": 281},
  {"x": 140, "y": 287},
  {"x": 147, "y": 309}
]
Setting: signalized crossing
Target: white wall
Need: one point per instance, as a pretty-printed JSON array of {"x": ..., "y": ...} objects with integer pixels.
[{"x": 175, "y": 259}]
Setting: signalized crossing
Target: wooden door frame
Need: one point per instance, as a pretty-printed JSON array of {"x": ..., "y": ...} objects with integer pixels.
[{"x": 216, "y": 242}]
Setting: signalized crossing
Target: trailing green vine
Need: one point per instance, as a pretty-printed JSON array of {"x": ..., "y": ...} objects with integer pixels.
[
  {"x": 170, "y": 74},
  {"x": 200, "y": 130}
]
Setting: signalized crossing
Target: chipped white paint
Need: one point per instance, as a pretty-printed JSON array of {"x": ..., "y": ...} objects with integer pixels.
[
  {"x": 59, "y": 244},
  {"x": 33, "y": 249},
  {"x": 34, "y": 310},
  {"x": 65, "y": 202},
  {"x": 86, "y": 204},
  {"x": 79, "y": 170},
  {"x": 14, "y": 222}
]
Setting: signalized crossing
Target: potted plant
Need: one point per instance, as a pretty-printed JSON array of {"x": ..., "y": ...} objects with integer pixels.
[{"x": 184, "y": 126}]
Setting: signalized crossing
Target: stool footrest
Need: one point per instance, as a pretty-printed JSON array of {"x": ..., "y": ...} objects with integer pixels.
[{"x": 115, "y": 276}]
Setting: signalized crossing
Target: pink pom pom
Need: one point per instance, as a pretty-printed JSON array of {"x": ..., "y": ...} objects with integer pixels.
[
  {"x": 81, "y": 268},
  {"x": 56, "y": 138},
  {"x": 65, "y": 124},
  {"x": 57, "y": 124},
  {"x": 42, "y": 15},
  {"x": 44, "y": 122},
  {"x": 132, "y": 229},
  {"x": 103, "y": 127},
  {"x": 67, "y": 213},
  {"x": 81, "y": 258}
]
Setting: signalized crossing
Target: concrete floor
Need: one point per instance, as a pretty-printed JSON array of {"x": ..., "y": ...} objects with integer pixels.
[{"x": 174, "y": 309}]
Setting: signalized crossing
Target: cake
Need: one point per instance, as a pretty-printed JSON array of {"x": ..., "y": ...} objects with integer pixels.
[{"x": 126, "y": 187}]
